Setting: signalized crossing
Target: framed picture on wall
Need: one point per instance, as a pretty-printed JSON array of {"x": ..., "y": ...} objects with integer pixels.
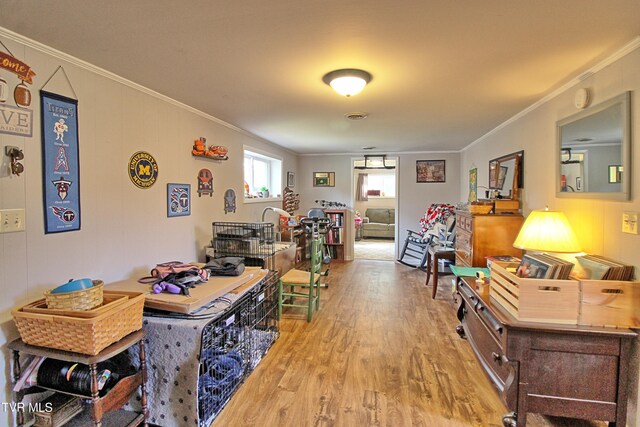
[
  {"x": 430, "y": 171},
  {"x": 473, "y": 185},
  {"x": 178, "y": 200},
  {"x": 291, "y": 179},
  {"x": 324, "y": 179}
]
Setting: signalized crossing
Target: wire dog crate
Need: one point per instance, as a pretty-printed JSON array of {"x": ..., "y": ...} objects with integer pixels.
[
  {"x": 233, "y": 345},
  {"x": 263, "y": 319},
  {"x": 223, "y": 360},
  {"x": 255, "y": 242}
]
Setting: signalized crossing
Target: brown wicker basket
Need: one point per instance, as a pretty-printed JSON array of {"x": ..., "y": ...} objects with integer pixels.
[
  {"x": 81, "y": 334},
  {"x": 84, "y": 299}
]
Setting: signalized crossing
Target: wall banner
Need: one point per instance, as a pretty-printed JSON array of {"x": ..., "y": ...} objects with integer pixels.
[{"x": 61, "y": 167}]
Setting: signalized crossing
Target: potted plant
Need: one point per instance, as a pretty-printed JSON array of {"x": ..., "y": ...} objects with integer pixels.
[{"x": 265, "y": 192}]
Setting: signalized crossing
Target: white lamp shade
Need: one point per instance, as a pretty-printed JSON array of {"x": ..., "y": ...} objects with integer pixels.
[
  {"x": 348, "y": 81},
  {"x": 547, "y": 231},
  {"x": 348, "y": 85}
]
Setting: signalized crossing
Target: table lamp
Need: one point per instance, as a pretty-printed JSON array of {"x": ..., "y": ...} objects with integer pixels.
[{"x": 547, "y": 231}]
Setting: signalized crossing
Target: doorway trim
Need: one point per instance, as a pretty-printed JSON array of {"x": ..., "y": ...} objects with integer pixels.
[{"x": 396, "y": 203}]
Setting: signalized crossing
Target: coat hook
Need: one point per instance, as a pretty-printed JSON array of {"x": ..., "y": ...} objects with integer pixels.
[{"x": 15, "y": 154}]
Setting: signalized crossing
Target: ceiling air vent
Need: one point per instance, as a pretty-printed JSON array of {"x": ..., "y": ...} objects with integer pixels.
[{"x": 356, "y": 115}]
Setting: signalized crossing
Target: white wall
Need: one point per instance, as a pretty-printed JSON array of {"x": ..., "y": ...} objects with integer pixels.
[
  {"x": 125, "y": 230},
  {"x": 596, "y": 222}
]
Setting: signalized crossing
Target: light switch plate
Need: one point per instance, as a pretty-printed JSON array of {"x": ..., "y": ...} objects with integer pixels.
[
  {"x": 630, "y": 222},
  {"x": 12, "y": 220}
]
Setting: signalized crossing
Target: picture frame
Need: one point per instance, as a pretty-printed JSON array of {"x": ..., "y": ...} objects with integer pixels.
[
  {"x": 291, "y": 179},
  {"x": 429, "y": 171},
  {"x": 324, "y": 179},
  {"x": 178, "y": 200},
  {"x": 473, "y": 185},
  {"x": 615, "y": 174}
]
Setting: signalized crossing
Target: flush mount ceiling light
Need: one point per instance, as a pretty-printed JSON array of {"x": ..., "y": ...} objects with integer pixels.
[{"x": 347, "y": 82}]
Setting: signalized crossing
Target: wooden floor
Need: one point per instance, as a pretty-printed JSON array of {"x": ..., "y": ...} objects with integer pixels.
[{"x": 380, "y": 352}]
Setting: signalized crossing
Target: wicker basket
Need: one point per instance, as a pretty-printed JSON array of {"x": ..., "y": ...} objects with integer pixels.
[
  {"x": 81, "y": 334},
  {"x": 83, "y": 299}
]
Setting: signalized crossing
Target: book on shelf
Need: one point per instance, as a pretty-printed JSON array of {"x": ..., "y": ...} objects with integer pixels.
[
  {"x": 544, "y": 266},
  {"x": 596, "y": 267}
]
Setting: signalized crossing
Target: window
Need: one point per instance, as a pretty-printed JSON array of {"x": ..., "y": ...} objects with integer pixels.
[
  {"x": 381, "y": 185},
  {"x": 262, "y": 175}
]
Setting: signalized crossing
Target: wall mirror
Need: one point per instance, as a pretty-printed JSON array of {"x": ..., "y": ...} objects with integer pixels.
[
  {"x": 593, "y": 152},
  {"x": 505, "y": 175}
]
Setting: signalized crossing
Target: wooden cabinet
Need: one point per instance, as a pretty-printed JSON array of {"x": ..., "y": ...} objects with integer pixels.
[
  {"x": 104, "y": 411},
  {"x": 559, "y": 370},
  {"x": 479, "y": 236}
]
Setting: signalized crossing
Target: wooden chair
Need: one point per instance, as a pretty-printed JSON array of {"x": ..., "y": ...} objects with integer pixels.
[{"x": 303, "y": 284}]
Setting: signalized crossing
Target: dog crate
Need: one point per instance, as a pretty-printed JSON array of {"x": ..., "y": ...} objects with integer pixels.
[
  {"x": 255, "y": 242},
  {"x": 233, "y": 344},
  {"x": 263, "y": 319},
  {"x": 224, "y": 358}
]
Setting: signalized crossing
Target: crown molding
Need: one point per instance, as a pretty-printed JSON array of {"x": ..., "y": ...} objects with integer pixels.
[
  {"x": 43, "y": 48},
  {"x": 620, "y": 53}
]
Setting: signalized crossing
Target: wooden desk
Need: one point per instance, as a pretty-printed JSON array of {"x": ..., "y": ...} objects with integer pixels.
[{"x": 560, "y": 370}]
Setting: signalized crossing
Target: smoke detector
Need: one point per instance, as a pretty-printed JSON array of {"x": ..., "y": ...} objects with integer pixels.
[{"x": 357, "y": 115}]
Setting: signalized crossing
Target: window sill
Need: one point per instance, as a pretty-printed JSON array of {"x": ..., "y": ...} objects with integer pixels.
[
  {"x": 263, "y": 200},
  {"x": 382, "y": 197}
]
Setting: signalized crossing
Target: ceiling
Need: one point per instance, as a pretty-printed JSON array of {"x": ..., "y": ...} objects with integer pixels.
[{"x": 444, "y": 72}]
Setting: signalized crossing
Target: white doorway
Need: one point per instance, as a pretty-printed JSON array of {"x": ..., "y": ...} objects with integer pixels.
[{"x": 374, "y": 201}]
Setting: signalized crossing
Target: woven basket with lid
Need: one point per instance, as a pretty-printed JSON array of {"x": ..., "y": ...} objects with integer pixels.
[{"x": 83, "y": 299}]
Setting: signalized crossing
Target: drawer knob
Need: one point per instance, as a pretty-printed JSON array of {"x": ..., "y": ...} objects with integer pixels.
[{"x": 496, "y": 357}]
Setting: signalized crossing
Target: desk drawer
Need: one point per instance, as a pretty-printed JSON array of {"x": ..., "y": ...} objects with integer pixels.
[
  {"x": 464, "y": 249},
  {"x": 487, "y": 348},
  {"x": 464, "y": 222}
]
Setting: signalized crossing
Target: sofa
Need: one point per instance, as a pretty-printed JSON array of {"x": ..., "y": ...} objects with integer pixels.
[{"x": 379, "y": 222}]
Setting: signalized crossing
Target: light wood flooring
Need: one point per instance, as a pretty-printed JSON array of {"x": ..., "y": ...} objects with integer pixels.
[
  {"x": 381, "y": 249},
  {"x": 380, "y": 352}
]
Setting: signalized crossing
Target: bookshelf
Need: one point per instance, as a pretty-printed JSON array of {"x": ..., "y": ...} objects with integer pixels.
[{"x": 336, "y": 237}]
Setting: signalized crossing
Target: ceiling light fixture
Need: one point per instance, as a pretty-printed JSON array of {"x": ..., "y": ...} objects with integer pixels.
[
  {"x": 374, "y": 162},
  {"x": 347, "y": 82},
  {"x": 356, "y": 115}
]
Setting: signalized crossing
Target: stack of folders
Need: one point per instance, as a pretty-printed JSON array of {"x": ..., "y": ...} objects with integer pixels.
[
  {"x": 543, "y": 266},
  {"x": 596, "y": 267}
]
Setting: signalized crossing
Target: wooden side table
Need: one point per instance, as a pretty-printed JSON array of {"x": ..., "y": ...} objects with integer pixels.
[
  {"x": 435, "y": 254},
  {"x": 115, "y": 398}
]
